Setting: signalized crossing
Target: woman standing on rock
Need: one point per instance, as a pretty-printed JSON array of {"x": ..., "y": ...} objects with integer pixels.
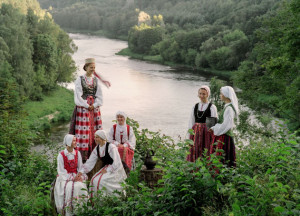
[{"x": 86, "y": 117}]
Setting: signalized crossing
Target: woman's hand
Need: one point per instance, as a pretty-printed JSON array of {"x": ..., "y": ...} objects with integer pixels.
[
  {"x": 78, "y": 177},
  {"x": 103, "y": 171},
  {"x": 106, "y": 83},
  {"x": 91, "y": 108}
]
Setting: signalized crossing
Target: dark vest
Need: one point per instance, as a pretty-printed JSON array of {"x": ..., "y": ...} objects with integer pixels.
[
  {"x": 200, "y": 116},
  {"x": 106, "y": 159},
  {"x": 88, "y": 90}
]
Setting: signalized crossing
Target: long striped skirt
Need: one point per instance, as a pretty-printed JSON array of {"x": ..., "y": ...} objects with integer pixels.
[
  {"x": 83, "y": 125},
  {"x": 226, "y": 143},
  {"x": 202, "y": 140}
]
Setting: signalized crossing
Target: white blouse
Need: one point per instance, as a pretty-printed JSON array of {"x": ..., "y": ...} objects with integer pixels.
[
  {"x": 62, "y": 172},
  {"x": 202, "y": 107},
  {"x": 228, "y": 121},
  {"x": 79, "y": 101},
  {"x": 122, "y": 130},
  {"x": 113, "y": 153}
]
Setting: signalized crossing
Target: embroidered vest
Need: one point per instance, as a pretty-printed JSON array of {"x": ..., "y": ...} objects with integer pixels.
[
  {"x": 106, "y": 159},
  {"x": 70, "y": 165},
  {"x": 88, "y": 90},
  {"x": 221, "y": 119},
  {"x": 200, "y": 116},
  {"x": 115, "y": 127}
]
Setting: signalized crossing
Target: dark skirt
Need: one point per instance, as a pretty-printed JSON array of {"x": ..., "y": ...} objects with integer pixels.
[
  {"x": 226, "y": 143},
  {"x": 202, "y": 140}
]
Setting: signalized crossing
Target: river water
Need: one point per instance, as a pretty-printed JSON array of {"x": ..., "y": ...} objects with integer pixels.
[{"x": 158, "y": 97}]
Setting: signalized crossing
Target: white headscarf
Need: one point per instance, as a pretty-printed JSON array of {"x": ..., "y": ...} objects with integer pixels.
[
  {"x": 101, "y": 134},
  {"x": 206, "y": 88},
  {"x": 228, "y": 92},
  {"x": 68, "y": 139},
  {"x": 122, "y": 114}
]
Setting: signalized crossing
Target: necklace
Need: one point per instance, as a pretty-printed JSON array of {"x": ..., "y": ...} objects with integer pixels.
[
  {"x": 201, "y": 115},
  {"x": 89, "y": 83}
]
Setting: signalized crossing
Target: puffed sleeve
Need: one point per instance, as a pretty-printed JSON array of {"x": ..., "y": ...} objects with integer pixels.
[
  {"x": 90, "y": 163},
  {"x": 114, "y": 154},
  {"x": 227, "y": 124},
  {"x": 79, "y": 101},
  {"x": 110, "y": 138},
  {"x": 213, "y": 111},
  {"x": 62, "y": 172},
  {"x": 99, "y": 95},
  {"x": 192, "y": 119}
]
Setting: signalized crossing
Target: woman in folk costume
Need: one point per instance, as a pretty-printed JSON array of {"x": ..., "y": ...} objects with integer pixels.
[
  {"x": 86, "y": 117},
  {"x": 122, "y": 136},
  {"x": 68, "y": 186},
  {"x": 112, "y": 174},
  {"x": 202, "y": 138},
  {"x": 223, "y": 130}
]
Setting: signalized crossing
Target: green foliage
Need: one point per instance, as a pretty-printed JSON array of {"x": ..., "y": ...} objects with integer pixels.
[
  {"x": 272, "y": 71},
  {"x": 141, "y": 38}
]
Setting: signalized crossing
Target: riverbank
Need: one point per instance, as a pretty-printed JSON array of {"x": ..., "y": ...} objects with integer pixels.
[
  {"x": 55, "y": 107},
  {"x": 158, "y": 59}
]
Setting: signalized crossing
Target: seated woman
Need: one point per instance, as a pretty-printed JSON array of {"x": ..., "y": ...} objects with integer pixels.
[
  {"x": 202, "y": 138},
  {"x": 112, "y": 174},
  {"x": 222, "y": 130},
  {"x": 122, "y": 136},
  {"x": 68, "y": 186}
]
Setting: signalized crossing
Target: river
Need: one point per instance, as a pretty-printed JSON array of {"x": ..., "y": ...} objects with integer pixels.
[{"x": 158, "y": 97}]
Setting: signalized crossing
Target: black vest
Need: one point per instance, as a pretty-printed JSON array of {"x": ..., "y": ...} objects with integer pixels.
[
  {"x": 200, "y": 116},
  {"x": 88, "y": 90},
  {"x": 106, "y": 159}
]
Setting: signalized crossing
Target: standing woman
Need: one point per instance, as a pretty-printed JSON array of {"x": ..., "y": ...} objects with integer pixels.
[
  {"x": 202, "y": 138},
  {"x": 223, "y": 130},
  {"x": 86, "y": 117}
]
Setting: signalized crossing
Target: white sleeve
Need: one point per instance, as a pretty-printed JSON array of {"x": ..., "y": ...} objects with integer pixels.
[
  {"x": 132, "y": 139},
  {"x": 99, "y": 95},
  {"x": 110, "y": 138},
  {"x": 114, "y": 154},
  {"x": 62, "y": 172},
  {"x": 79, "y": 101},
  {"x": 79, "y": 165},
  {"x": 90, "y": 163},
  {"x": 228, "y": 123},
  {"x": 192, "y": 119},
  {"x": 213, "y": 111}
]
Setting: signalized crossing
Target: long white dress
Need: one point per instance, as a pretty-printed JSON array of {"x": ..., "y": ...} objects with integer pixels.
[
  {"x": 64, "y": 184},
  {"x": 110, "y": 181}
]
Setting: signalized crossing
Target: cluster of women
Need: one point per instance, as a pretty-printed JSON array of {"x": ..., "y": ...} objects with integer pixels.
[
  {"x": 208, "y": 140},
  {"x": 87, "y": 143}
]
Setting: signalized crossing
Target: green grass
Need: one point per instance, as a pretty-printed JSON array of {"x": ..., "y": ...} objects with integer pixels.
[{"x": 59, "y": 103}]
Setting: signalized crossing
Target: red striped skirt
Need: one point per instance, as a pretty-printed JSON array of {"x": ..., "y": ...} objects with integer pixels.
[
  {"x": 202, "y": 140},
  {"x": 84, "y": 129},
  {"x": 226, "y": 143}
]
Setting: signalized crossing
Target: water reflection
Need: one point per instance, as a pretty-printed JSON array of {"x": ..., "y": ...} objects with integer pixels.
[{"x": 157, "y": 96}]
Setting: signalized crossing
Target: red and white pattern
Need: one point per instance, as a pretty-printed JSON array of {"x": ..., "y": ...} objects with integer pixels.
[{"x": 84, "y": 132}]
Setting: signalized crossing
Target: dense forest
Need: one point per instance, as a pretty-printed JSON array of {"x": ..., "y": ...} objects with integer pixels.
[{"x": 259, "y": 39}]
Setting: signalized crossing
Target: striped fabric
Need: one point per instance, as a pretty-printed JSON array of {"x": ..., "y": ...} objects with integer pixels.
[{"x": 202, "y": 140}]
